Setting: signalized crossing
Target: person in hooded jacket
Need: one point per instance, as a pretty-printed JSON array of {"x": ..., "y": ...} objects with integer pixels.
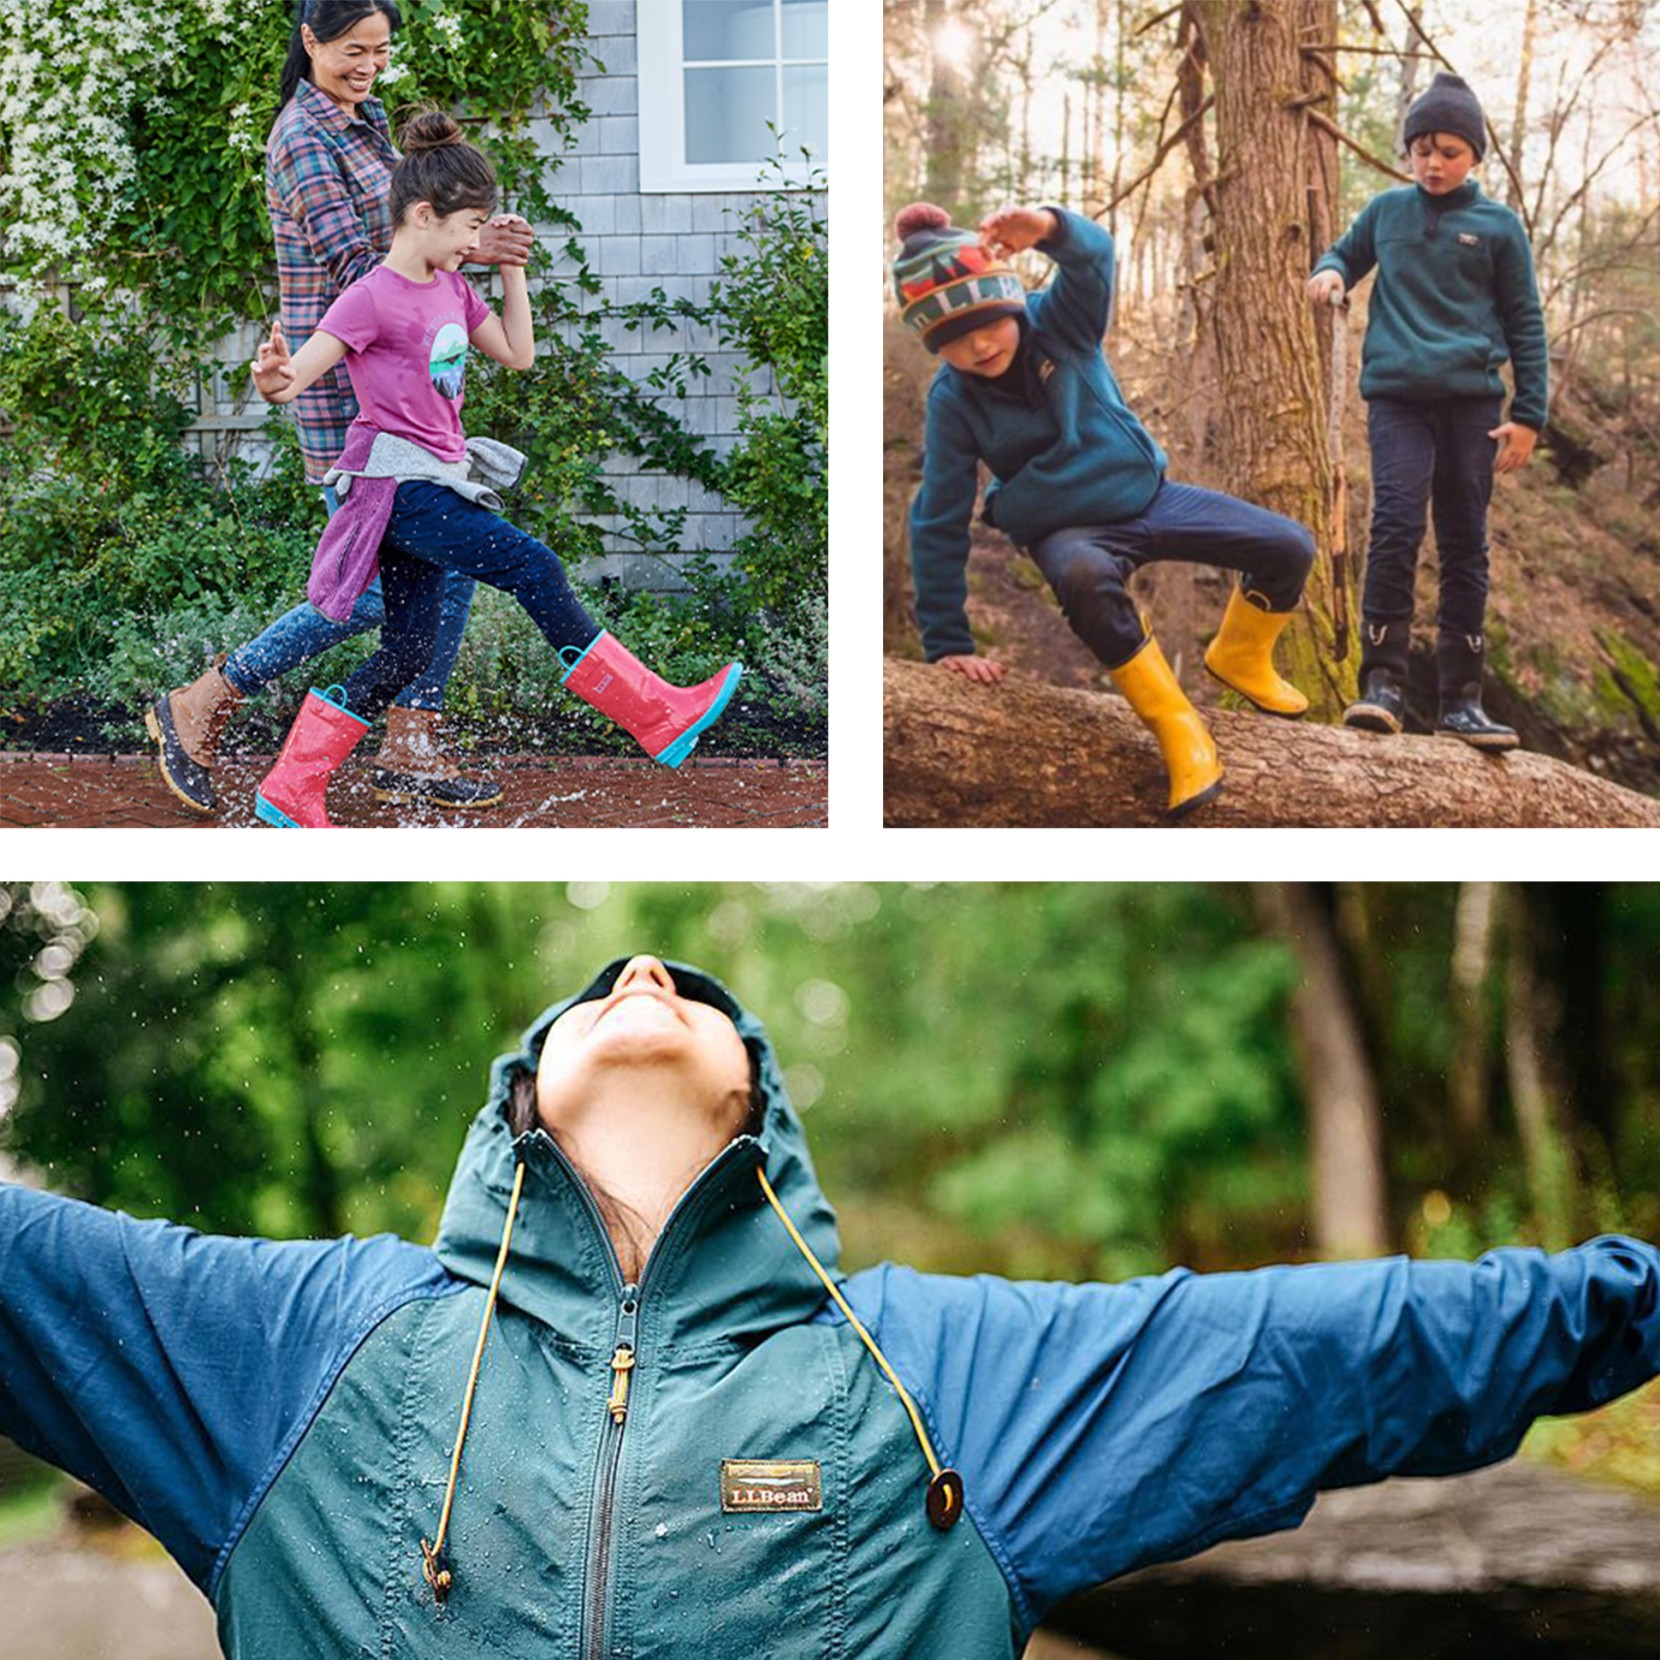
[{"x": 627, "y": 1405}]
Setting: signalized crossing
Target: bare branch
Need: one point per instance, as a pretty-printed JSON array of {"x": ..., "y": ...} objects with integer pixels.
[
  {"x": 1160, "y": 154},
  {"x": 1327, "y": 125}
]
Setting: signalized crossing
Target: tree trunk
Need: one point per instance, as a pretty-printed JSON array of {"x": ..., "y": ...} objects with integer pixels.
[
  {"x": 1345, "y": 1128},
  {"x": 951, "y": 141},
  {"x": 1411, "y": 49},
  {"x": 1472, "y": 961},
  {"x": 1532, "y": 1018},
  {"x": 1518, "y": 123},
  {"x": 1027, "y": 753},
  {"x": 1272, "y": 374}
]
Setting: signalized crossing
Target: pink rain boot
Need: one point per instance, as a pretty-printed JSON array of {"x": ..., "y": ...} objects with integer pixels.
[
  {"x": 665, "y": 720},
  {"x": 324, "y": 733}
]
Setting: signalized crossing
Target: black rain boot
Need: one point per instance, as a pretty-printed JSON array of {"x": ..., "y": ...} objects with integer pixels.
[
  {"x": 1458, "y": 664},
  {"x": 1382, "y": 701}
]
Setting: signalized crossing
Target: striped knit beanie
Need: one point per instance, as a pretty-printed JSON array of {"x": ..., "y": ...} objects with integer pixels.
[{"x": 948, "y": 283}]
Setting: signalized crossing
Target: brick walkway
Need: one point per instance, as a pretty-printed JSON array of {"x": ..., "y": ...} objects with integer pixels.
[{"x": 568, "y": 792}]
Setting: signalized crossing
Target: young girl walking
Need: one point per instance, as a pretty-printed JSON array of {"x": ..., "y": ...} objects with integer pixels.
[
  {"x": 1078, "y": 481},
  {"x": 418, "y": 498},
  {"x": 1455, "y": 297}
]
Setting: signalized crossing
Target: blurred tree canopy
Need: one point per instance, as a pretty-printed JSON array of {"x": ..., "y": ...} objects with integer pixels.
[{"x": 1033, "y": 1079}]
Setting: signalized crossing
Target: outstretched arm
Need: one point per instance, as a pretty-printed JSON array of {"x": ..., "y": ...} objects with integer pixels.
[
  {"x": 1102, "y": 1428},
  {"x": 169, "y": 1369},
  {"x": 280, "y": 377},
  {"x": 1077, "y": 306}
]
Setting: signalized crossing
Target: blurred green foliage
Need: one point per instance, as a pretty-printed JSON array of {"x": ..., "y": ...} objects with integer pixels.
[{"x": 1031, "y": 1079}]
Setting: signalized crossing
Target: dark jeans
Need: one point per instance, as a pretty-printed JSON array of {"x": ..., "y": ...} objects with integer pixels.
[
  {"x": 1089, "y": 566},
  {"x": 1436, "y": 457},
  {"x": 304, "y": 632},
  {"x": 433, "y": 531}
]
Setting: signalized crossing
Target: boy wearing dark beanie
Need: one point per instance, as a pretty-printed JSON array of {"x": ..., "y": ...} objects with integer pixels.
[
  {"x": 1455, "y": 297},
  {"x": 1078, "y": 482}
]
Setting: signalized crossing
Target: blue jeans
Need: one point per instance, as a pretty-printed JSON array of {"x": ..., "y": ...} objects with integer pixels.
[
  {"x": 434, "y": 538},
  {"x": 1430, "y": 458},
  {"x": 304, "y": 633},
  {"x": 1088, "y": 566}
]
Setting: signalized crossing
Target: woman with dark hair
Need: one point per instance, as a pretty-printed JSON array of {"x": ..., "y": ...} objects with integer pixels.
[
  {"x": 627, "y": 1404},
  {"x": 328, "y": 168}
]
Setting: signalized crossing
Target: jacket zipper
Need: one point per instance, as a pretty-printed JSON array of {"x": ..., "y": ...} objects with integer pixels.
[
  {"x": 605, "y": 1479},
  {"x": 624, "y": 1360}
]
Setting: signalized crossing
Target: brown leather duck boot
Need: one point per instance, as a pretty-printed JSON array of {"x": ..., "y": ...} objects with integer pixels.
[
  {"x": 186, "y": 725},
  {"x": 412, "y": 765}
]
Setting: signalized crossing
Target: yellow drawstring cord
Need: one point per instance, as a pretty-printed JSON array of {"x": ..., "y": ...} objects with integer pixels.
[
  {"x": 432, "y": 1556},
  {"x": 945, "y": 1490}
]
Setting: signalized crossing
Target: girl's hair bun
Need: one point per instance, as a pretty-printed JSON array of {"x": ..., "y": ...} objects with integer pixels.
[
  {"x": 919, "y": 216},
  {"x": 430, "y": 130}
]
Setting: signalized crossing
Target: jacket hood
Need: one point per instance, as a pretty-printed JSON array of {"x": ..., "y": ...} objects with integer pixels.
[{"x": 723, "y": 1268}]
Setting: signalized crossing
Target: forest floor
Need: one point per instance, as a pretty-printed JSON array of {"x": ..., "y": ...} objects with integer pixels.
[
  {"x": 1574, "y": 615},
  {"x": 60, "y": 791}
]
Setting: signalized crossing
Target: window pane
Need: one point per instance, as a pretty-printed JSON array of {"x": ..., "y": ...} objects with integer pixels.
[
  {"x": 727, "y": 111},
  {"x": 807, "y": 110},
  {"x": 806, "y": 28},
  {"x": 728, "y": 29}
]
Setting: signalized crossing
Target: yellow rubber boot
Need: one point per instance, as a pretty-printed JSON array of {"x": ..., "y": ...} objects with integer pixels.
[
  {"x": 1189, "y": 754},
  {"x": 1242, "y": 657}
]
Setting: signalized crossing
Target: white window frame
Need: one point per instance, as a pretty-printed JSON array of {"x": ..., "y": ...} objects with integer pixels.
[{"x": 660, "y": 37}]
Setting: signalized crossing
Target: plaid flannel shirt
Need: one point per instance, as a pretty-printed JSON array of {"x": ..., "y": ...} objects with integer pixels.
[{"x": 327, "y": 184}]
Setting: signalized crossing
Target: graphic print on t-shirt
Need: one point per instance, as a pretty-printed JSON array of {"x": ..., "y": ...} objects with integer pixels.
[{"x": 448, "y": 362}]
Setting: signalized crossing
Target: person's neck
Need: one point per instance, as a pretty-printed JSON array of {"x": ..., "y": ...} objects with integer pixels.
[
  {"x": 638, "y": 1146},
  {"x": 408, "y": 261}
]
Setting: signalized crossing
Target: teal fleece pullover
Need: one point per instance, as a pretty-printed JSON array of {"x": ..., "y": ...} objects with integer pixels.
[
  {"x": 1062, "y": 446},
  {"x": 1455, "y": 297}
]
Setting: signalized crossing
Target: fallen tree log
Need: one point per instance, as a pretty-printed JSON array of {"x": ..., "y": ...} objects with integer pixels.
[
  {"x": 1512, "y": 1560},
  {"x": 1024, "y": 753}
]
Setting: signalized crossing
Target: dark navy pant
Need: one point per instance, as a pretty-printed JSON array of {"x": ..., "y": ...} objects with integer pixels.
[
  {"x": 1430, "y": 458},
  {"x": 1089, "y": 565},
  {"x": 434, "y": 531}
]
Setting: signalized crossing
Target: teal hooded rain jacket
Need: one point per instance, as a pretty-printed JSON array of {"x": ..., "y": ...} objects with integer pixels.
[{"x": 283, "y": 1415}]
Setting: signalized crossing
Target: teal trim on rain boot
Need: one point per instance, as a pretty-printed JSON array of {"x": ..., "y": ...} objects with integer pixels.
[{"x": 687, "y": 741}]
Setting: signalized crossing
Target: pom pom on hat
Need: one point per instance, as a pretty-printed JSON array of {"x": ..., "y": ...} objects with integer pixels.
[{"x": 919, "y": 216}]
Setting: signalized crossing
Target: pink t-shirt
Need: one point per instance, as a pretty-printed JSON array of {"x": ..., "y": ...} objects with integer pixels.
[{"x": 407, "y": 354}]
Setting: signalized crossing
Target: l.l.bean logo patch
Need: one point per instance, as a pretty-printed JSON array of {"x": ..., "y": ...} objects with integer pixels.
[{"x": 748, "y": 1485}]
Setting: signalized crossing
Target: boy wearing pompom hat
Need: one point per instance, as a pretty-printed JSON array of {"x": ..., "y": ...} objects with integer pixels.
[
  {"x": 1455, "y": 297},
  {"x": 1078, "y": 482}
]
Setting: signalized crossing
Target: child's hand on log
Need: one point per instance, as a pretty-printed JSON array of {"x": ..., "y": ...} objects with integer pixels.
[{"x": 982, "y": 670}]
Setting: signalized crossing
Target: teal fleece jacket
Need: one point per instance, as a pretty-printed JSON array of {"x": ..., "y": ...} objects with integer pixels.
[
  {"x": 1455, "y": 297},
  {"x": 1064, "y": 450}
]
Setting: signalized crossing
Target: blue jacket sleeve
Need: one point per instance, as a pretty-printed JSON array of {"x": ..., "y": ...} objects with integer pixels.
[
  {"x": 1517, "y": 295},
  {"x": 1101, "y": 1428},
  {"x": 940, "y": 518},
  {"x": 1076, "y": 307},
  {"x": 1355, "y": 252},
  {"x": 173, "y": 1371}
]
